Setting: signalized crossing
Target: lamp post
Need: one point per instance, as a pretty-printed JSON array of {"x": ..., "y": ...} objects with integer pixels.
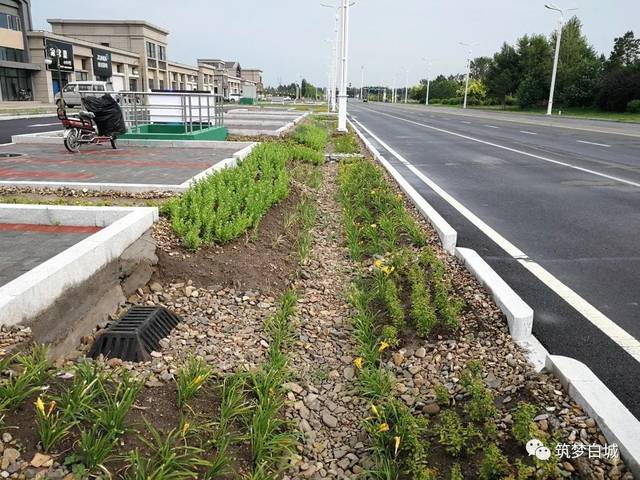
[
  {"x": 49, "y": 61},
  {"x": 362, "y": 82},
  {"x": 562, "y": 12},
  {"x": 426, "y": 102},
  {"x": 406, "y": 85},
  {"x": 344, "y": 64},
  {"x": 466, "y": 82}
]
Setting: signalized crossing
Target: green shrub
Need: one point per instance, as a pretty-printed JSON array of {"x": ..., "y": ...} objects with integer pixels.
[
  {"x": 443, "y": 397},
  {"x": 305, "y": 154},
  {"x": 633, "y": 106},
  {"x": 222, "y": 206},
  {"x": 456, "y": 472},
  {"x": 494, "y": 464},
  {"x": 422, "y": 312},
  {"x": 311, "y": 135},
  {"x": 455, "y": 437},
  {"x": 524, "y": 427}
]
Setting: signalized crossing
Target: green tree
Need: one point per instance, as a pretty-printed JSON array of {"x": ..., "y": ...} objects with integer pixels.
[
  {"x": 579, "y": 68},
  {"x": 480, "y": 68},
  {"x": 442, "y": 87},
  {"x": 503, "y": 75},
  {"x": 625, "y": 53},
  {"x": 535, "y": 59}
]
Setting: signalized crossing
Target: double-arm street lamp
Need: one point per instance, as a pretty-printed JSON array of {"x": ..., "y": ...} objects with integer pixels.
[{"x": 562, "y": 12}]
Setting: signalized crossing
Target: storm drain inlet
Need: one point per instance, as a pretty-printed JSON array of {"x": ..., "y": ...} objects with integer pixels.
[{"x": 136, "y": 334}]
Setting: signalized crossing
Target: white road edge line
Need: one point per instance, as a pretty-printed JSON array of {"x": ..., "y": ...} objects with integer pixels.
[
  {"x": 627, "y": 342},
  {"x": 528, "y": 132},
  {"x": 509, "y": 149},
  {"x": 593, "y": 143},
  {"x": 491, "y": 126}
]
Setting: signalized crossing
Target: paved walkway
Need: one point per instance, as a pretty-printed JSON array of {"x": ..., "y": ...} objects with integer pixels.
[
  {"x": 24, "y": 246},
  {"x": 102, "y": 164}
]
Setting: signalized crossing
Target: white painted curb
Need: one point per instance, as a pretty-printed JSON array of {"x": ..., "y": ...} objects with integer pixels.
[
  {"x": 616, "y": 422},
  {"x": 519, "y": 314},
  {"x": 448, "y": 236},
  {"x": 33, "y": 292}
]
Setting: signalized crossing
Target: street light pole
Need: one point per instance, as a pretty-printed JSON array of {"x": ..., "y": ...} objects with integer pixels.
[
  {"x": 406, "y": 85},
  {"x": 466, "y": 82},
  {"x": 362, "y": 82},
  {"x": 557, "y": 54},
  {"x": 426, "y": 102},
  {"x": 342, "y": 100}
]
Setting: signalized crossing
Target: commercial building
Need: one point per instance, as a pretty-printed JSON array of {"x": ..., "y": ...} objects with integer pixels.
[
  {"x": 16, "y": 66},
  {"x": 131, "y": 54}
]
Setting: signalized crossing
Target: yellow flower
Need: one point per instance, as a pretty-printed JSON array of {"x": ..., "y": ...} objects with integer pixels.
[
  {"x": 358, "y": 362},
  {"x": 373, "y": 225},
  {"x": 52, "y": 405},
  {"x": 378, "y": 263},
  {"x": 383, "y": 346},
  {"x": 185, "y": 428},
  {"x": 397, "y": 443},
  {"x": 373, "y": 192},
  {"x": 384, "y": 427},
  {"x": 40, "y": 405},
  {"x": 387, "y": 269},
  {"x": 198, "y": 380},
  {"x": 375, "y": 411}
]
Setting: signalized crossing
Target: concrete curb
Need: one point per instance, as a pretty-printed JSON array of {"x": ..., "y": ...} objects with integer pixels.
[
  {"x": 617, "y": 423},
  {"x": 448, "y": 236},
  {"x": 33, "y": 292},
  {"x": 31, "y": 115},
  {"x": 519, "y": 314}
]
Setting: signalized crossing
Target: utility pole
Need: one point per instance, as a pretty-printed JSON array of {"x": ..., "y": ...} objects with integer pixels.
[
  {"x": 362, "y": 82},
  {"x": 466, "y": 82},
  {"x": 551, "y": 6},
  {"x": 342, "y": 99}
]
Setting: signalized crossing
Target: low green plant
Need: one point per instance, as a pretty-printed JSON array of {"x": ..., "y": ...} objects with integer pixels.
[
  {"x": 118, "y": 396},
  {"x": 27, "y": 379},
  {"x": 495, "y": 465},
  {"x": 311, "y": 135},
  {"x": 524, "y": 427},
  {"x": 443, "y": 397},
  {"x": 170, "y": 458},
  {"x": 480, "y": 406},
  {"x": 190, "y": 378},
  {"x": 52, "y": 424},
  {"x": 456, "y": 472},
  {"x": 375, "y": 382},
  {"x": 92, "y": 450},
  {"x": 388, "y": 295},
  {"x": 305, "y": 154},
  {"x": 422, "y": 312},
  {"x": 389, "y": 334},
  {"x": 346, "y": 143},
  {"x": 83, "y": 394},
  {"x": 456, "y": 438}
]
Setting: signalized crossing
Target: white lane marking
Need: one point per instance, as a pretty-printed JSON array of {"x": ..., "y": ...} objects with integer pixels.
[
  {"x": 491, "y": 126},
  {"x": 44, "y": 124},
  {"x": 509, "y": 149},
  {"x": 593, "y": 143},
  {"x": 464, "y": 121},
  {"x": 528, "y": 132},
  {"x": 588, "y": 311}
]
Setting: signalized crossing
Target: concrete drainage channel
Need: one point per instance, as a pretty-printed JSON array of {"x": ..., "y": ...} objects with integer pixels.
[
  {"x": 70, "y": 291},
  {"x": 616, "y": 422}
]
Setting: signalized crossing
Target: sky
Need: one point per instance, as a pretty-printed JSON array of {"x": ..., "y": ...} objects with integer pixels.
[{"x": 290, "y": 38}]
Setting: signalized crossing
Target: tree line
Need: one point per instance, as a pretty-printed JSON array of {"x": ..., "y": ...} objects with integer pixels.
[{"x": 520, "y": 74}]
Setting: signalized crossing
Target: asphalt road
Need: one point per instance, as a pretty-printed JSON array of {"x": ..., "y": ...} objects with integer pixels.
[
  {"x": 27, "y": 125},
  {"x": 564, "y": 193}
]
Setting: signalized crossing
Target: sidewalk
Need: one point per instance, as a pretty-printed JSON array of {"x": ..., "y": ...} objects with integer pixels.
[{"x": 22, "y": 109}]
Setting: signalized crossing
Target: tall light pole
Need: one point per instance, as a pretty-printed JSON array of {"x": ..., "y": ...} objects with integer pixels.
[
  {"x": 344, "y": 64},
  {"x": 362, "y": 82},
  {"x": 466, "y": 82},
  {"x": 406, "y": 85},
  {"x": 336, "y": 70},
  {"x": 562, "y": 12},
  {"x": 426, "y": 102}
]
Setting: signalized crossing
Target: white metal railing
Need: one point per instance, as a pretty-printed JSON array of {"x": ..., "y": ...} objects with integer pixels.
[{"x": 189, "y": 109}]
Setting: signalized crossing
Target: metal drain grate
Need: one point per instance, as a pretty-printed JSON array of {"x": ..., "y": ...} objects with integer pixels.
[{"x": 136, "y": 334}]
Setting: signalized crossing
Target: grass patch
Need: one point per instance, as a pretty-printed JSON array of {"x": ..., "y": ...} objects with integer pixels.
[
  {"x": 311, "y": 135},
  {"x": 346, "y": 143}
]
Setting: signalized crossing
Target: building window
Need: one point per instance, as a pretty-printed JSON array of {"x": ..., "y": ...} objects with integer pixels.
[
  {"x": 161, "y": 84},
  {"x": 12, "y": 81},
  {"x": 151, "y": 50},
  {"x": 133, "y": 84},
  {"x": 10, "y": 22},
  {"x": 151, "y": 84},
  {"x": 82, "y": 76},
  {"x": 104, "y": 44},
  {"x": 11, "y": 54},
  {"x": 162, "y": 52}
]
